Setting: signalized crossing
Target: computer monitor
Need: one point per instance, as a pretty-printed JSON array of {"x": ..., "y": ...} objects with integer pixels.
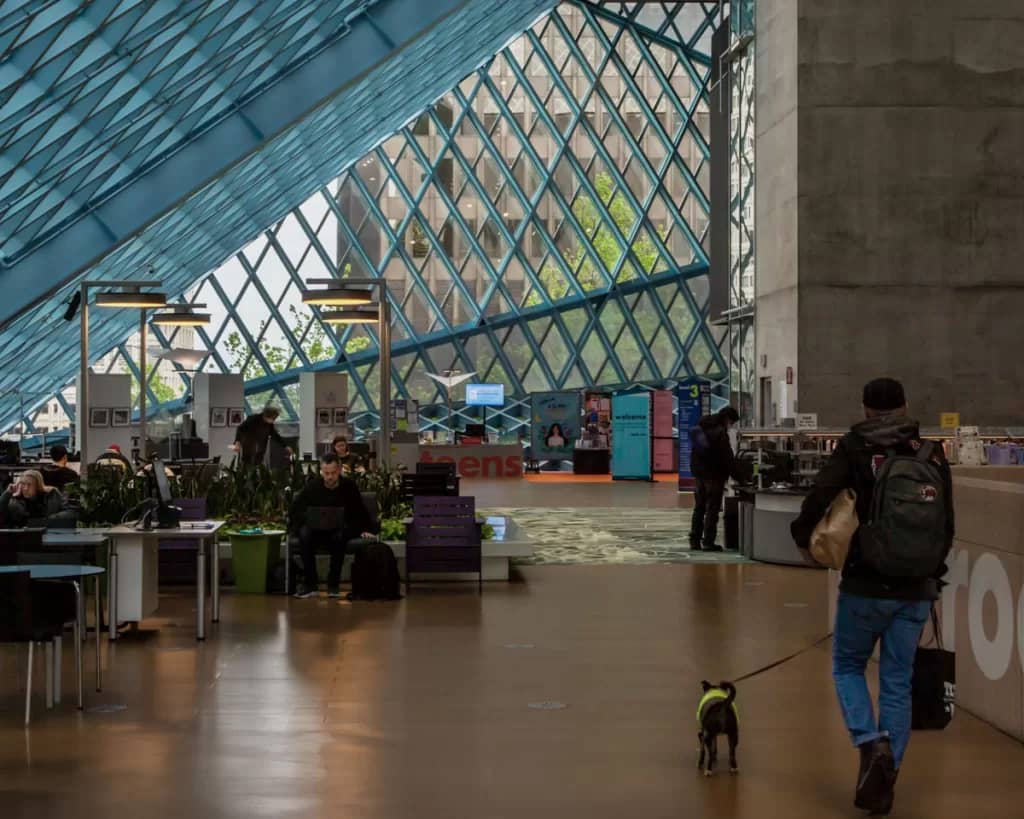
[
  {"x": 163, "y": 486},
  {"x": 485, "y": 395}
]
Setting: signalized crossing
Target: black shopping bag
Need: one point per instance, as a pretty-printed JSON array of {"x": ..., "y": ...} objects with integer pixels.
[{"x": 934, "y": 684}]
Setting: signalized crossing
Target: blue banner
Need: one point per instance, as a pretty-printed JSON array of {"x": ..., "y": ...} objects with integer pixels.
[
  {"x": 631, "y": 437},
  {"x": 694, "y": 404},
  {"x": 556, "y": 425}
]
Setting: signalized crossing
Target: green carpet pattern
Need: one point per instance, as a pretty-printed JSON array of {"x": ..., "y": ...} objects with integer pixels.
[{"x": 611, "y": 535}]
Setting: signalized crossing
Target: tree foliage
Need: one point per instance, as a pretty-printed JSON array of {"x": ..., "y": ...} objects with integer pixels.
[{"x": 606, "y": 245}]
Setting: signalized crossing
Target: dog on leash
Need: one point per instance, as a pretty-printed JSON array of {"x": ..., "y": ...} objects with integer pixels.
[{"x": 717, "y": 714}]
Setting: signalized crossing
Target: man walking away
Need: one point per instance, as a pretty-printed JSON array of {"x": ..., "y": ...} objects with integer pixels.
[
  {"x": 891, "y": 577},
  {"x": 712, "y": 464}
]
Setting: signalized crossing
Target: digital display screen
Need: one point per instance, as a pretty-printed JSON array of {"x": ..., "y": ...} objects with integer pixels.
[{"x": 485, "y": 395}]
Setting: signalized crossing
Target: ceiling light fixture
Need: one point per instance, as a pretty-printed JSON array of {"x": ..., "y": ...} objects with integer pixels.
[
  {"x": 130, "y": 297},
  {"x": 351, "y": 316},
  {"x": 335, "y": 295},
  {"x": 181, "y": 315}
]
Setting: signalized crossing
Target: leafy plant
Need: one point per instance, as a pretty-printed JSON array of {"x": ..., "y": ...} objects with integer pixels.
[
  {"x": 386, "y": 485},
  {"x": 248, "y": 496},
  {"x": 106, "y": 496}
]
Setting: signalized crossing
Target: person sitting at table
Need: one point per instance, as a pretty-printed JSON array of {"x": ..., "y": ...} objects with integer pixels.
[
  {"x": 113, "y": 457},
  {"x": 58, "y": 474},
  {"x": 346, "y": 457},
  {"x": 29, "y": 501},
  {"x": 333, "y": 491}
]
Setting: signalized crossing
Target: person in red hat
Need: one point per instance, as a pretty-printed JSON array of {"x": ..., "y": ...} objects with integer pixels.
[{"x": 112, "y": 456}]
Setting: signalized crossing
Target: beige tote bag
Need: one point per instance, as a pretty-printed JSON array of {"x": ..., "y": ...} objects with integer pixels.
[{"x": 830, "y": 542}]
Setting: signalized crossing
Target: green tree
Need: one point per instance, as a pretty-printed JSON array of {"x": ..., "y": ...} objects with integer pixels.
[
  {"x": 606, "y": 245},
  {"x": 158, "y": 386},
  {"x": 316, "y": 344}
]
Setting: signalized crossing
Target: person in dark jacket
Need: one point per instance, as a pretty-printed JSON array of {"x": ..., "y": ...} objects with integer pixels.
[
  {"x": 58, "y": 474},
  {"x": 329, "y": 490},
  {"x": 30, "y": 502},
  {"x": 873, "y": 607},
  {"x": 712, "y": 466},
  {"x": 254, "y": 434}
]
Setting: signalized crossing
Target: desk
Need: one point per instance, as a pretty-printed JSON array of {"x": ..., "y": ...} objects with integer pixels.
[
  {"x": 591, "y": 461},
  {"x": 77, "y": 575},
  {"x": 774, "y": 511},
  {"x": 132, "y": 592}
]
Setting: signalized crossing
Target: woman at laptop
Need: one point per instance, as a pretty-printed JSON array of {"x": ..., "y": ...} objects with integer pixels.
[
  {"x": 327, "y": 513},
  {"x": 30, "y": 502}
]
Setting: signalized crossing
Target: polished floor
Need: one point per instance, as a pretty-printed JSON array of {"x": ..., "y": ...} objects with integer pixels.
[{"x": 568, "y": 693}]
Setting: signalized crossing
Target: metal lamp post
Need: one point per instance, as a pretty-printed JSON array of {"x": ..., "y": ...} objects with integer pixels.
[
  {"x": 351, "y": 293},
  {"x": 128, "y": 294}
]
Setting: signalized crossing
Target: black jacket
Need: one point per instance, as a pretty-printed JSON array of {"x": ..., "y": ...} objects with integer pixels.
[
  {"x": 853, "y": 466},
  {"x": 717, "y": 462},
  {"x": 43, "y": 508},
  {"x": 59, "y": 476},
  {"x": 252, "y": 436},
  {"x": 345, "y": 495}
]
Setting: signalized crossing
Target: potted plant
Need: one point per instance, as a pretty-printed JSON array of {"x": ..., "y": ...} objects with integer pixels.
[{"x": 252, "y": 500}]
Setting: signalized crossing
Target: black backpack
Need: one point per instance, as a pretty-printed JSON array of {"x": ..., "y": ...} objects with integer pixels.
[
  {"x": 905, "y": 535},
  {"x": 375, "y": 574}
]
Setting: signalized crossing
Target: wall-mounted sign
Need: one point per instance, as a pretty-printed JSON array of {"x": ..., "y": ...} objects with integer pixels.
[
  {"x": 807, "y": 421},
  {"x": 949, "y": 420}
]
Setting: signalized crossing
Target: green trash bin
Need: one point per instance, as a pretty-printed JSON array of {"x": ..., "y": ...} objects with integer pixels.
[{"x": 252, "y": 555}]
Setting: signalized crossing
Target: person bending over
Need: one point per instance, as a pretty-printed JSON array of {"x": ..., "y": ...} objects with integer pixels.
[
  {"x": 30, "y": 502},
  {"x": 712, "y": 464},
  {"x": 254, "y": 434},
  {"x": 877, "y": 601},
  {"x": 329, "y": 490}
]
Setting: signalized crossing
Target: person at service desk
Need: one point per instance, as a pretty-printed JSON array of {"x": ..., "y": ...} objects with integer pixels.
[
  {"x": 877, "y": 604},
  {"x": 330, "y": 490},
  {"x": 712, "y": 464},
  {"x": 30, "y": 502},
  {"x": 254, "y": 433}
]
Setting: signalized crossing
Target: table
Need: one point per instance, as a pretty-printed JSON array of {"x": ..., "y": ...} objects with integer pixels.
[
  {"x": 136, "y": 582},
  {"x": 88, "y": 540},
  {"x": 770, "y": 539},
  {"x": 75, "y": 574},
  {"x": 591, "y": 461}
]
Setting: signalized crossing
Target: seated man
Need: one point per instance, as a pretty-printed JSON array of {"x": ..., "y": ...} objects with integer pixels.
[
  {"x": 334, "y": 491},
  {"x": 112, "y": 456},
  {"x": 58, "y": 474},
  {"x": 30, "y": 502}
]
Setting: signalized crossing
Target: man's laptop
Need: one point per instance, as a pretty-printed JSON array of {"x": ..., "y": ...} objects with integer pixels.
[{"x": 325, "y": 518}]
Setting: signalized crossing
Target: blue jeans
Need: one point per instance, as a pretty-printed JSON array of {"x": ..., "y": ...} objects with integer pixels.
[{"x": 860, "y": 623}]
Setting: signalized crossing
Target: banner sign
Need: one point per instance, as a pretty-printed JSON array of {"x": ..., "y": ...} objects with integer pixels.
[
  {"x": 556, "y": 425},
  {"x": 631, "y": 436},
  {"x": 694, "y": 404}
]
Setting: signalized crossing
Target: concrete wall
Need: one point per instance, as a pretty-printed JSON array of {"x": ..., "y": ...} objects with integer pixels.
[
  {"x": 910, "y": 124},
  {"x": 776, "y": 197}
]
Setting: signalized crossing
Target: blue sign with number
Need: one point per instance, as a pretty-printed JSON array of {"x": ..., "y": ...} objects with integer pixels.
[{"x": 694, "y": 404}]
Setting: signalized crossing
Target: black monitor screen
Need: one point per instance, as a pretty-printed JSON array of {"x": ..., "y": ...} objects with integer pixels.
[{"x": 163, "y": 486}]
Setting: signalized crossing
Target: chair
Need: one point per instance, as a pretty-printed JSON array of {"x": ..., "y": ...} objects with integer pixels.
[
  {"x": 177, "y": 557},
  {"x": 292, "y": 541},
  {"x": 443, "y": 537},
  {"x": 36, "y": 612},
  {"x": 430, "y": 484}
]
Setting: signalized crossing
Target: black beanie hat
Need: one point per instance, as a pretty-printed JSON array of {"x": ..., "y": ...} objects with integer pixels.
[{"x": 884, "y": 395}]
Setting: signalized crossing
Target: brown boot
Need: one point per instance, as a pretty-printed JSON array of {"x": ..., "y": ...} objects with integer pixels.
[{"x": 876, "y": 775}]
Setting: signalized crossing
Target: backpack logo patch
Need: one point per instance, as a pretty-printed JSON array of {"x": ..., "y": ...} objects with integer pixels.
[
  {"x": 876, "y": 464},
  {"x": 929, "y": 494}
]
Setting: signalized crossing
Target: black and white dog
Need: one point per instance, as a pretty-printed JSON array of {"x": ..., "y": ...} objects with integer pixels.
[{"x": 716, "y": 714}]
